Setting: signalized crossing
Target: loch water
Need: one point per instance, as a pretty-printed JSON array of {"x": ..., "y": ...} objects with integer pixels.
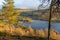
[{"x": 38, "y": 24}]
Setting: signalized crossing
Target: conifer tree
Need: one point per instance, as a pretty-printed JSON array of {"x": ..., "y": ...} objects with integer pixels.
[
  {"x": 8, "y": 7},
  {"x": 9, "y": 11}
]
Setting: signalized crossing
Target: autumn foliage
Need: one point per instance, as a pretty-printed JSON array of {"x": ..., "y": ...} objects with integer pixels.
[
  {"x": 9, "y": 20},
  {"x": 9, "y": 29}
]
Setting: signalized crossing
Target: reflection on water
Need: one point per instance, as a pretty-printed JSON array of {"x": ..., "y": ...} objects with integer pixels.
[
  {"x": 37, "y": 24},
  {"x": 56, "y": 26}
]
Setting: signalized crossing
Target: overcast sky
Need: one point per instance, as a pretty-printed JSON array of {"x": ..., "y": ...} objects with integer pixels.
[{"x": 26, "y": 4}]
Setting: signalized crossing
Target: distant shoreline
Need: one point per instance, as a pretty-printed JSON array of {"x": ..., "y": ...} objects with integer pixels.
[{"x": 55, "y": 21}]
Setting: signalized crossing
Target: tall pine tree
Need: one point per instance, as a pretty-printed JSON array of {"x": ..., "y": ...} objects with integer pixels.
[
  {"x": 8, "y": 7},
  {"x": 9, "y": 11}
]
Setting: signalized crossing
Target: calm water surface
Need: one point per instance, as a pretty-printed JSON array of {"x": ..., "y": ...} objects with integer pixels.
[{"x": 37, "y": 24}]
